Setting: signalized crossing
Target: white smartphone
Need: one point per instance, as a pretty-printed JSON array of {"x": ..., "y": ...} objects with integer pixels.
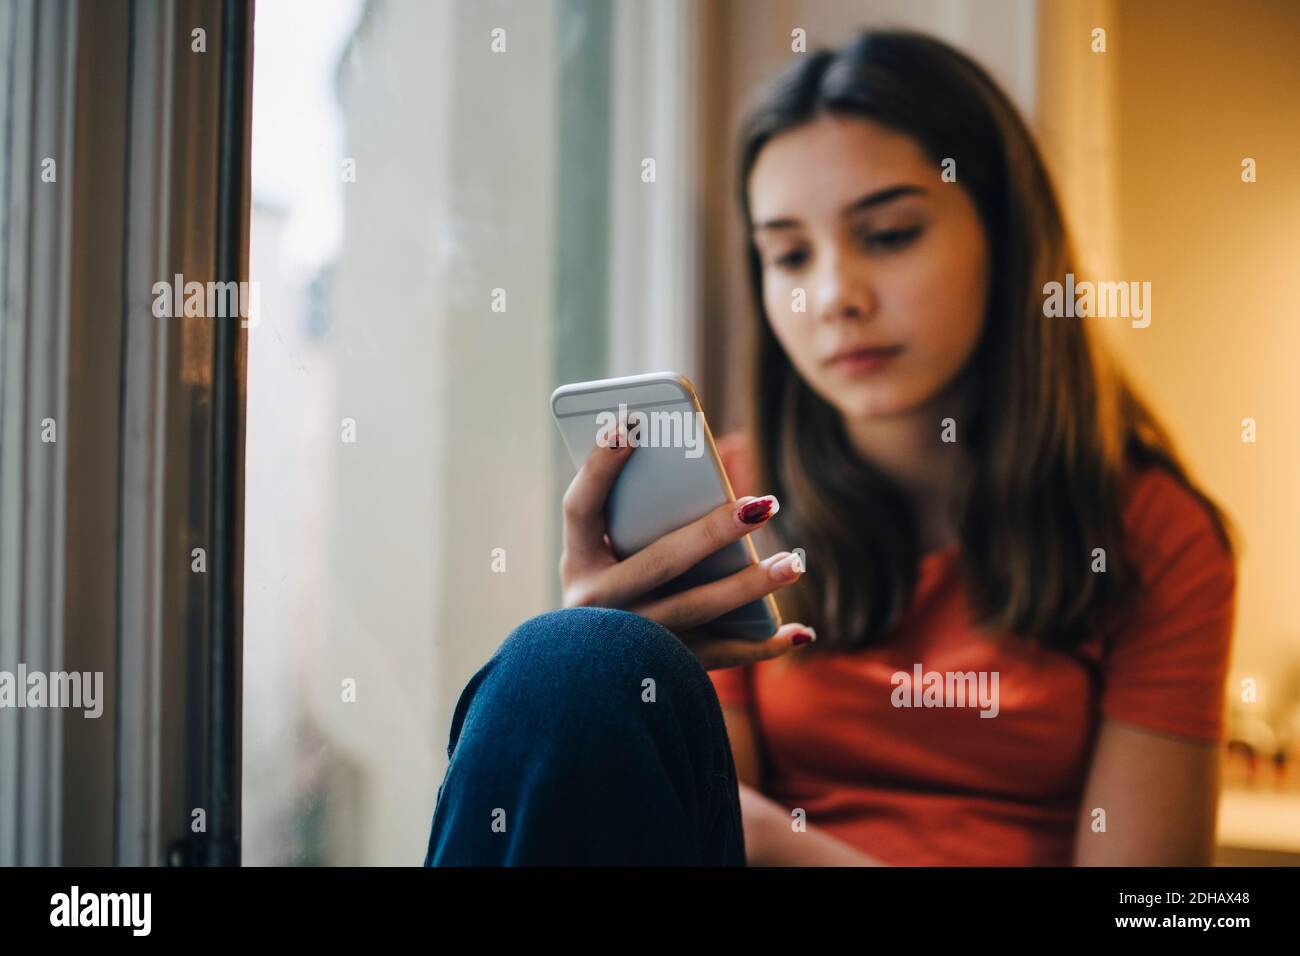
[{"x": 673, "y": 477}]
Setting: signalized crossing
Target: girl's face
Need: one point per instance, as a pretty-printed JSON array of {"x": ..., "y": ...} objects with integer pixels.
[{"x": 855, "y": 220}]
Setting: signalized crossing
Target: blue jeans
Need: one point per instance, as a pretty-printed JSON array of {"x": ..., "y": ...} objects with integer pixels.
[{"x": 591, "y": 737}]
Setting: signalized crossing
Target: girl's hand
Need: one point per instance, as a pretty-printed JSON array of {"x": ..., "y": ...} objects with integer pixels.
[{"x": 593, "y": 577}]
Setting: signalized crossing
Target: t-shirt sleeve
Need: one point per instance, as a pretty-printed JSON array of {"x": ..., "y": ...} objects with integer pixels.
[{"x": 1167, "y": 663}]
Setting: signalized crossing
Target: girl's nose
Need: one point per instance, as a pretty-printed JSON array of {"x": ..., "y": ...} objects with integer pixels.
[{"x": 844, "y": 291}]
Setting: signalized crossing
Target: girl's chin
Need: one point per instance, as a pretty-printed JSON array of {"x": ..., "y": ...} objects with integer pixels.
[{"x": 867, "y": 402}]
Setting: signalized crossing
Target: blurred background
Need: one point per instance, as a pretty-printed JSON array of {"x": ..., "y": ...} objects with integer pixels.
[{"x": 414, "y": 171}]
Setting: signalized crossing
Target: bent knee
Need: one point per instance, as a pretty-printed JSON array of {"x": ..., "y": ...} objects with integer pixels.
[{"x": 598, "y": 643}]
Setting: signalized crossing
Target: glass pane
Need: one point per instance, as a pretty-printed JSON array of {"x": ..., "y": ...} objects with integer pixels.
[{"x": 427, "y": 228}]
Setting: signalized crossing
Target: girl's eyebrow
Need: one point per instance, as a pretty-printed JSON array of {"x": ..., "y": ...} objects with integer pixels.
[{"x": 869, "y": 201}]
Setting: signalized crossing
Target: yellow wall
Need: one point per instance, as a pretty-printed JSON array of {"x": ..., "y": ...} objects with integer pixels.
[{"x": 1185, "y": 91}]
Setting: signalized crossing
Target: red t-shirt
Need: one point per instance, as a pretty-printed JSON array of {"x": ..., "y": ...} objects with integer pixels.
[{"x": 933, "y": 786}]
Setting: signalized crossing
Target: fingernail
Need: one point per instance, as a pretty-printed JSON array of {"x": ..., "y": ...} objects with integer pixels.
[
  {"x": 758, "y": 510},
  {"x": 804, "y": 637},
  {"x": 785, "y": 568}
]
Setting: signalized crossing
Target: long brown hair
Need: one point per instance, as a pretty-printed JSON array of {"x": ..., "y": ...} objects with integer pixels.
[{"x": 1051, "y": 430}]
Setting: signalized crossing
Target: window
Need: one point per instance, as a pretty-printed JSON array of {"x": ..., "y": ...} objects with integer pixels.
[{"x": 448, "y": 220}]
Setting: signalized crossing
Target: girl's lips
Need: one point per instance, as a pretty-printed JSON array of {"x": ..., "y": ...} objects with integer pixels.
[{"x": 863, "y": 360}]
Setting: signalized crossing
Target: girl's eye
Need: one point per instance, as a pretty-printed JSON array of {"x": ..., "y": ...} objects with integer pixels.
[
  {"x": 892, "y": 239},
  {"x": 791, "y": 260}
]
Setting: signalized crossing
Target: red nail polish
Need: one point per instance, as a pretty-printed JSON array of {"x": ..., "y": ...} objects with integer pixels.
[
  {"x": 803, "y": 637},
  {"x": 759, "y": 510}
]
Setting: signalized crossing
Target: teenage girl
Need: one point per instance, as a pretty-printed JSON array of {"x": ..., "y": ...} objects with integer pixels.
[{"x": 977, "y": 498}]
